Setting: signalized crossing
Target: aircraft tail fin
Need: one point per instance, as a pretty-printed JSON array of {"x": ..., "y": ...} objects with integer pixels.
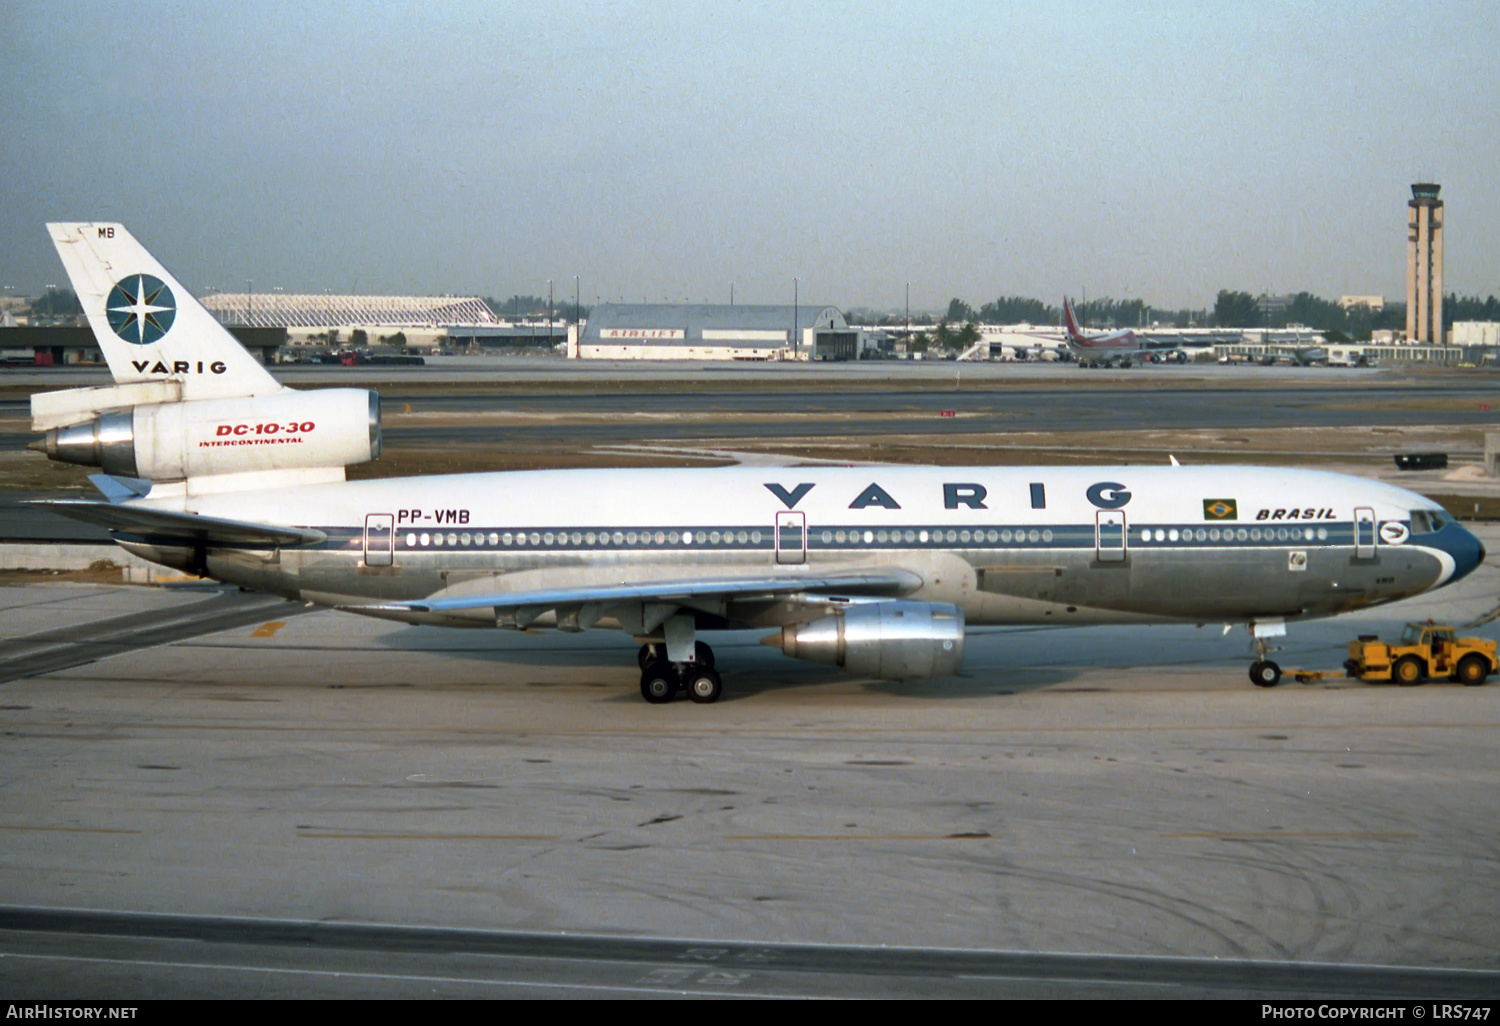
[
  {"x": 1069, "y": 318},
  {"x": 148, "y": 326}
]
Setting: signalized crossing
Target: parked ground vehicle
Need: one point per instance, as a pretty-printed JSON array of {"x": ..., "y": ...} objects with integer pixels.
[{"x": 1426, "y": 650}]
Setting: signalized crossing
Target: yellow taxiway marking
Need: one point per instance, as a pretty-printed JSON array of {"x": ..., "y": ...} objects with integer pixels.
[
  {"x": 68, "y": 829},
  {"x": 1299, "y": 834},
  {"x": 268, "y": 630},
  {"x": 324, "y": 835}
]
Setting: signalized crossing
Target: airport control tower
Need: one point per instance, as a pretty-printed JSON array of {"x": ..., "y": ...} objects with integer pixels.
[{"x": 1424, "y": 265}]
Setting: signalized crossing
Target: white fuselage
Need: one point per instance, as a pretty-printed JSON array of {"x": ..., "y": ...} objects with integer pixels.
[{"x": 1005, "y": 544}]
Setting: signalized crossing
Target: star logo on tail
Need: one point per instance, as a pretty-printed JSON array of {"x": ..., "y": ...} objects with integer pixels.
[{"x": 140, "y": 309}]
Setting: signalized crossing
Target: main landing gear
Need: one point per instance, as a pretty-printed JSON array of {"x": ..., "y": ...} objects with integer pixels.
[{"x": 661, "y": 679}]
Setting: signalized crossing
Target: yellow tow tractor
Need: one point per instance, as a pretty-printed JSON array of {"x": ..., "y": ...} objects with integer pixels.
[{"x": 1426, "y": 650}]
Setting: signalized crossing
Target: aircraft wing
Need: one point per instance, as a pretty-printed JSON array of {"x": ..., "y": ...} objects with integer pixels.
[
  {"x": 166, "y": 527},
  {"x": 685, "y": 591}
]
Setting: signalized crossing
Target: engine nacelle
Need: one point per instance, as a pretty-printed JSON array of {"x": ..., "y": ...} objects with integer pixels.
[
  {"x": 889, "y": 640},
  {"x": 289, "y": 430}
]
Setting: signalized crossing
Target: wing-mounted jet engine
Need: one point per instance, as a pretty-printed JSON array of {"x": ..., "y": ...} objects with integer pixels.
[{"x": 889, "y": 640}]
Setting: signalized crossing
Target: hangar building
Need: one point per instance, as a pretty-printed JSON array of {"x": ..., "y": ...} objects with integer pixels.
[{"x": 661, "y": 331}]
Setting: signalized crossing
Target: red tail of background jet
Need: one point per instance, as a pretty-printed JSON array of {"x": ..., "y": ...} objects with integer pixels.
[{"x": 1074, "y": 334}]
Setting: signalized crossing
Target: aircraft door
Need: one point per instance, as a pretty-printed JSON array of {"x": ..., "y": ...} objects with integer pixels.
[
  {"x": 791, "y": 537},
  {"x": 1109, "y": 535},
  {"x": 380, "y": 539},
  {"x": 1364, "y": 533}
]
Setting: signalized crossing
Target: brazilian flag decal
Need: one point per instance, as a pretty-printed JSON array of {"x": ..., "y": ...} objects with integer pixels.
[{"x": 1220, "y": 509}]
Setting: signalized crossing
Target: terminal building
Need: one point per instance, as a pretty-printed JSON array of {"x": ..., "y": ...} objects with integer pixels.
[{"x": 703, "y": 331}]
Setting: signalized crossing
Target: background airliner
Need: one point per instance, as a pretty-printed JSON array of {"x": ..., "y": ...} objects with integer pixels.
[
  {"x": 1111, "y": 348},
  {"x": 213, "y": 467}
]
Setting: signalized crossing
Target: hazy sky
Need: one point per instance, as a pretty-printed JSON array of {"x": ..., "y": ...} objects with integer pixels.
[{"x": 661, "y": 150}]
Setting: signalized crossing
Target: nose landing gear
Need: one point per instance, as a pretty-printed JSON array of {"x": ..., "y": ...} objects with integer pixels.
[{"x": 1263, "y": 672}]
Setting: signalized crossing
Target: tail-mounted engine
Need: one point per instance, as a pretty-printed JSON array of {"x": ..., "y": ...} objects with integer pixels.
[
  {"x": 889, "y": 640},
  {"x": 287, "y": 430}
]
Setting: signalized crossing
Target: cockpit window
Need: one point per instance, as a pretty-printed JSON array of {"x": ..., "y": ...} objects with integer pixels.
[{"x": 1425, "y": 521}]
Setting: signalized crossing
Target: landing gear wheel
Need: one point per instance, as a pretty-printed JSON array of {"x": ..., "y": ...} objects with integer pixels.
[
  {"x": 1407, "y": 671},
  {"x": 1265, "y": 674},
  {"x": 659, "y": 682},
  {"x": 1472, "y": 671},
  {"x": 704, "y": 685}
]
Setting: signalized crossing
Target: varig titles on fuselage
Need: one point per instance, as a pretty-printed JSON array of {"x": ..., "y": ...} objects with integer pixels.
[{"x": 967, "y": 494}]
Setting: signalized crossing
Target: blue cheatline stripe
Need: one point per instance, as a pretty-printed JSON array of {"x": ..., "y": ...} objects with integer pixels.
[{"x": 819, "y": 538}]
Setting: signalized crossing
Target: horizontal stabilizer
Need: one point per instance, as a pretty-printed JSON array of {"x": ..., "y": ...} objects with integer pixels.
[
  {"x": 874, "y": 582},
  {"x": 165, "y": 527},
  {"x": 75, "y": 405}
]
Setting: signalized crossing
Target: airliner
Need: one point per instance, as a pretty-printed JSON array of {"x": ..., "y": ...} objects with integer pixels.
[
  {"x": 1110, "y": 348},
  {"x": 211, "y": 466}
]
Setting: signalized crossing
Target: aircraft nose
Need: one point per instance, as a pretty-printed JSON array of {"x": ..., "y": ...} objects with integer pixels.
[{"x": 1460, "y": 543}]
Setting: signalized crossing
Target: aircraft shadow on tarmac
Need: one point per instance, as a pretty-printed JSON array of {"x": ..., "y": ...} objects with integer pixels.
[{"x": 748, "y": 668}]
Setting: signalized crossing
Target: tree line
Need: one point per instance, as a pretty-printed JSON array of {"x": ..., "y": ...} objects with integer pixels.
[
  {"x": 1106, "y": 312},
  {"x": 536, "y": 306},
  {"x": 1099, "y": 313},
  {"x": 1242, "y": 310},
  {"x": 1232, "y": 309},
  {"x": 56, "y": 303}
]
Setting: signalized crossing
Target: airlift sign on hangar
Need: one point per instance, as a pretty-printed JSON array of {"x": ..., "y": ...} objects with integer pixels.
[{"x": 651, "y": 331}]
